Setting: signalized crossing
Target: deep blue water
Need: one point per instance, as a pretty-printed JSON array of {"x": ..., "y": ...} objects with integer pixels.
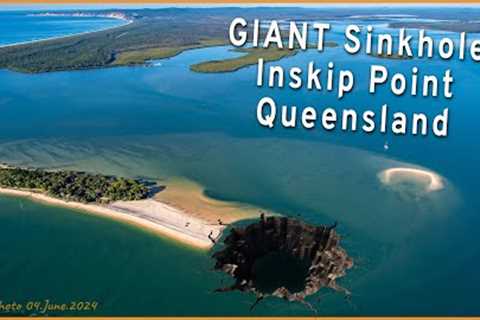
[{"x": 413, "y": 255}]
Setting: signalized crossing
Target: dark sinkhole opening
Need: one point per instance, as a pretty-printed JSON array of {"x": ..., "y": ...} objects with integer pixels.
[
  {"x": 279, "y": 269},
  {"x": 284, "y": 258}
]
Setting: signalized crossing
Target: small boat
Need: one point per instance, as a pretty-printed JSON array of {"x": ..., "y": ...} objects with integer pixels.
[{"x": 386, "y": 146}]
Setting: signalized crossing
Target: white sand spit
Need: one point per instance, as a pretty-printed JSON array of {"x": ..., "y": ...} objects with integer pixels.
[{"x": 149, "y": 214}]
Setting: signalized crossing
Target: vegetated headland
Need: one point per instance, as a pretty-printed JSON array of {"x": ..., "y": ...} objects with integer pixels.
[
  {"x": 250, "y": 57},
  {"x": 152, "y": 34},
  {"x": 198, "y": 224},
  {"x": 74, "y": 185}
]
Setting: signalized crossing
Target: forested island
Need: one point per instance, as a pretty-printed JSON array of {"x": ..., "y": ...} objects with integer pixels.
[{"x": 75, "y": 186}]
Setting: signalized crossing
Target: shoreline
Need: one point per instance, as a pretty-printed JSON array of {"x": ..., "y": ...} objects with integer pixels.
[
  {"x": 127, "y": 22},
  {"x": 158, "y": 217}
]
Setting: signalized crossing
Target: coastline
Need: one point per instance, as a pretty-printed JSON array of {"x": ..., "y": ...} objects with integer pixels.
[
  {"x": 127, "y": 22},
  {"x": 151, "y": 215}
]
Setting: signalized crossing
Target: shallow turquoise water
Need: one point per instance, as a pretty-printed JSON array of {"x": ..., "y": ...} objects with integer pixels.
[{"x": 411, "y": 253}]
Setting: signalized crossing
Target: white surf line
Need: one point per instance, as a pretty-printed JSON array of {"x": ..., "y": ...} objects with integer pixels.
[{"x": 127, "y": 22}]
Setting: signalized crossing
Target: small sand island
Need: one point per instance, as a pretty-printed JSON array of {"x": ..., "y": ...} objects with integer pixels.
[
  {"x": 198, "y": 223},
  {"x": 430, "y": 180}
]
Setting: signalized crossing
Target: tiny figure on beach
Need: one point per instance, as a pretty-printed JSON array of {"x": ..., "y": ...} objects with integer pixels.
[{"x": 210, "y": 236}]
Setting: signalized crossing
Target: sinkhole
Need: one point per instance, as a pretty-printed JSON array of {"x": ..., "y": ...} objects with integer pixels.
[
  {"x": 283, "y": 257},
  {"x": 279, "y": 269}
]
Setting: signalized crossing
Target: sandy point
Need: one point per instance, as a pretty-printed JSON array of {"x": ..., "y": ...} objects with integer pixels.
[
  {"x": 182, "y": 212},
  {"x": 148, "y": 214},
  {"x": 432, "y": 180}
]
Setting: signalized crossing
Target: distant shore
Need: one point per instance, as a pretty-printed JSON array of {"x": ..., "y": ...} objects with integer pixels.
[
  {"x": 114, "y": 17},
  {"x": 149, "y": 214}
]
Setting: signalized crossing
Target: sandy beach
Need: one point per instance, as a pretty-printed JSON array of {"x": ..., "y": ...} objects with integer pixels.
[
  {"x": 149, "y": 214},
  {"x": 432, "y": 180},
  {"x": 127, "y": 22}
]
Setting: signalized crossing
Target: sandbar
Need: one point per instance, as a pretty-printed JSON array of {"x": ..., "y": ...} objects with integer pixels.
[
  {"x": 432, "y": 180},
  {"x": 191, "y": 198}
]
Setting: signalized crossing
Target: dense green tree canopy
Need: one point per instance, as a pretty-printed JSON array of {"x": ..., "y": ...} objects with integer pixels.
[{"x": 73, "y": 185}]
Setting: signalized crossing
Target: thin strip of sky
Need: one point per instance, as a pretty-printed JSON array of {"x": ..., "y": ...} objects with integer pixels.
[{"x": 80, "y": 6}]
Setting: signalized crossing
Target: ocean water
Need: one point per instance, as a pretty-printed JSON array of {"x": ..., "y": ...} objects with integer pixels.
[
  {"x": 21, "y": 26},
  {"x": 413, "y": 254}
]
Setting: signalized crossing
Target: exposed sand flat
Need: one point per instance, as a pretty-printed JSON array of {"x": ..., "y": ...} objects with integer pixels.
[
  {"x": 175, "y": 221},
  {"x": 190, "y": 198},
  {"x": 150, "y": 214},
  {"x": 432, "y": 180}
]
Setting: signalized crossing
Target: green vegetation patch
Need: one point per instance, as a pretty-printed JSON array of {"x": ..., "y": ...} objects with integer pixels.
[
  {"x": 250, "y": 58},
  {"x": 135, "y": 43},
  {"x": 74, "y": 185},
  {"x": 391, "y": 57},
  {"x": 136, "y": 57}
]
